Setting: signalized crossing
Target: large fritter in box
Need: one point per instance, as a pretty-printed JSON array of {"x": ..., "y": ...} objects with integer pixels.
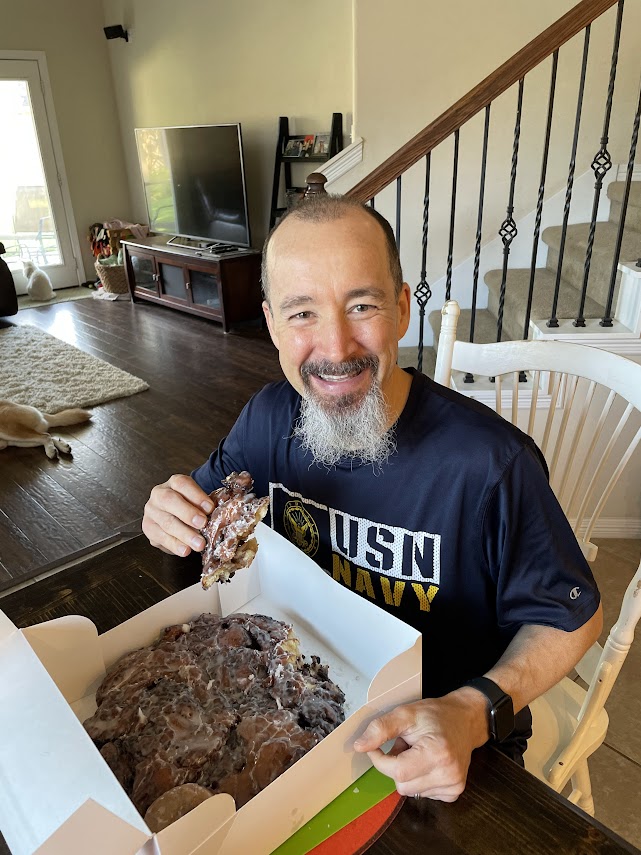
[{"x": 58, "y": 794}]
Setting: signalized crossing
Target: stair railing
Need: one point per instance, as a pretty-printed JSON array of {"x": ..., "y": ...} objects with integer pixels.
[{"x": 480, "y": 100}]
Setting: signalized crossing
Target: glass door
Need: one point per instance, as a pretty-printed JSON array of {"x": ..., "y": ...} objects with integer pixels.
[
  {"x": 172, "y": 283},
  {"x": 204, "y": 290},
  {"x": 34, "y": 225},
  {"x": 144, "y": 270}
]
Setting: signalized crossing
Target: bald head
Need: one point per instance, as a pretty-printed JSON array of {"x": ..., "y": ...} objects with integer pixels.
[{"x": 325, "y": 208}]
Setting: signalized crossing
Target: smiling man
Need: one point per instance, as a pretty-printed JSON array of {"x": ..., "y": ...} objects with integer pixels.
[
  {"x": 412, "y": 495},
  {"x": 336, "y": 324}
]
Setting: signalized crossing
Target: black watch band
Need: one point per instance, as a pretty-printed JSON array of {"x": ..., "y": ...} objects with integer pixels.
[{"x": 501, "y": 710}]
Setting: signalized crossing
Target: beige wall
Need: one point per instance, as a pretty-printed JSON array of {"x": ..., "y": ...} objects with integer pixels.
[
  {"x": 70, "y": 34},
  {"x": 232, "y": 61}
]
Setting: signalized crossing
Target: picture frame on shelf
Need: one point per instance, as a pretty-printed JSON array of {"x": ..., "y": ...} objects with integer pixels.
[
  {"x": 294, "y": 146},
  {"x": 308, "y": 145},
  {"x": 321, "y": 145}
]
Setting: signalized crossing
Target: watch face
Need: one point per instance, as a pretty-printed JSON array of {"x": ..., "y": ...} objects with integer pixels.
[{"x": 502, "y": 718}]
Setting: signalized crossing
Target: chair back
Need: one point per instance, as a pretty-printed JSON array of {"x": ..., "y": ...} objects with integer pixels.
[{"x": 581, "y": 405}]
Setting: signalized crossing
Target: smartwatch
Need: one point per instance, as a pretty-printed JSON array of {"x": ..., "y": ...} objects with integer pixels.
[{"x": 501, "y": 710}]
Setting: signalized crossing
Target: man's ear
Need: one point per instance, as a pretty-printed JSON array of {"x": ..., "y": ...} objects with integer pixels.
[
  {"x": 270, "y": 323},
  {"x": 404, "y": 302}
]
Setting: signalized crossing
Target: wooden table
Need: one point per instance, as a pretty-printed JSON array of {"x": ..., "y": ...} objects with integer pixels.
[{"x": 503, "y": 811}]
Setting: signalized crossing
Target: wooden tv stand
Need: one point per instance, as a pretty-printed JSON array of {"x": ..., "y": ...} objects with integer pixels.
[{"x": 225, "y": 288}]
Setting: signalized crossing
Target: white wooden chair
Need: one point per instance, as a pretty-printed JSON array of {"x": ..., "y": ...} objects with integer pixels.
[{"x": 586, "y": 440}]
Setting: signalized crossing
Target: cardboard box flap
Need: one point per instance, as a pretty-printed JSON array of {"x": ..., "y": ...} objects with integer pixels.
[
  {"x": 80, "y": 833},
  {"x": 401, "y": 668},
  {"x": 207, "y": 825},
  {"x": 69, "y": 649},
  {"x": 45, "y": 755}
]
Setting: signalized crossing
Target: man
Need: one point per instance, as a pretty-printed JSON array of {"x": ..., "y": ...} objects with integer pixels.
[{"x": 414, "y": 496}]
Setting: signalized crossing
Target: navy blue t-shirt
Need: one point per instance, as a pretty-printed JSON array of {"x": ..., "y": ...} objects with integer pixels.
[{"x": 459, "y": 534}]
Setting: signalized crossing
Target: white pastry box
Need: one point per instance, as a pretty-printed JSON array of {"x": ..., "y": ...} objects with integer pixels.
[{"x": 59, "y": 797}]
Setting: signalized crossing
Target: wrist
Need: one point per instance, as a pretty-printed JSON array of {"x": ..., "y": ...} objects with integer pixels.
[
  {"x": 476, "y": 708},
  {"x": 500, "y": 709}
]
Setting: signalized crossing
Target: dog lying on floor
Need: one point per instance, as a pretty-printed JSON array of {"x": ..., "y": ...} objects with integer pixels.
[{"x": 27, "y": 427}]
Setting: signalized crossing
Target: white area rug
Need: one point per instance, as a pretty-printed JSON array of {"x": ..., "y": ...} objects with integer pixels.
[{"x": 40, "y": 370}]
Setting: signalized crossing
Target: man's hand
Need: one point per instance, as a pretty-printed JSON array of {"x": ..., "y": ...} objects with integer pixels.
[
  {"x": 434, "y": 743},
  {"x": 174, "y": 516}
]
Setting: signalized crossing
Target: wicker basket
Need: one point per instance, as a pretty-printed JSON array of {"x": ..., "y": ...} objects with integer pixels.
[{"x": 112, "y": 278}]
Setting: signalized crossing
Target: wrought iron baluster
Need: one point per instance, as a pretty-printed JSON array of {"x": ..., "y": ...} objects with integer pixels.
[
  {"x": 601, "y": 165},
  {"x": 469, "y": 378},
  {"x": 450, "y": 251},
  {"x": 539, "y": 203},
  {"x": 606, "y": 321},
  {"x": 508, "y": 230},
  {"x": 398, "y": 212},
  {"x": 423, "y": 291},
  {"x": 553, "y": 322}
]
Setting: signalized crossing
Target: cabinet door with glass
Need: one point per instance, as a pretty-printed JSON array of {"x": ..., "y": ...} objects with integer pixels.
[
  {"x": 205, "y": 291},
  {"x": 143, "y": 269},
  {"x": 173, "y": 285}
]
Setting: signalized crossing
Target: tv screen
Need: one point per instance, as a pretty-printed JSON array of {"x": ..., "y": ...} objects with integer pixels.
[{"x": 194, "y": 182}]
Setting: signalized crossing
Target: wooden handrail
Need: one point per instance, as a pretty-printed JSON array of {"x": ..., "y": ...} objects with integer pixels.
[{"x": 478, "y": 98}]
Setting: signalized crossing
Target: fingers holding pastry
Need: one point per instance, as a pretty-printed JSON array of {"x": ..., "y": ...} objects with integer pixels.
[{"x": 174, "y": 515}]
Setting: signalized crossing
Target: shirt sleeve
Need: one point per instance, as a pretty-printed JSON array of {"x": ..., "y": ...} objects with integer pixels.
[{"x": 537, "y": 565}]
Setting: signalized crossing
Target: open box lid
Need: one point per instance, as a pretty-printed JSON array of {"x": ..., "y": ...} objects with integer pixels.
[
  {"x": 51, "y": 775},
  {"x": 49, "y": 766}
]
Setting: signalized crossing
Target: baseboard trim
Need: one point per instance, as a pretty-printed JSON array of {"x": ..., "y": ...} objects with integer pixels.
[{"x": 622, "y": 527}]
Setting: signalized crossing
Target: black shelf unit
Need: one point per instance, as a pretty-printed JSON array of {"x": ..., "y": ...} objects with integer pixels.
[{"x": 283, "y": 165}]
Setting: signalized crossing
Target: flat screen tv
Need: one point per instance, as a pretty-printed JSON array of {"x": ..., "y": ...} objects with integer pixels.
[{"x": 194, "y": 182}]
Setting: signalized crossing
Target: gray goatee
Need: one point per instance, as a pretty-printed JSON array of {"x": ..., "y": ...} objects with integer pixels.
[{"x": 350, "y": 426}]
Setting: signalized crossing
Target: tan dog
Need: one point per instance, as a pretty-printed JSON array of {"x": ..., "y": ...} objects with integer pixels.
[{"x": 27, "y": 427}]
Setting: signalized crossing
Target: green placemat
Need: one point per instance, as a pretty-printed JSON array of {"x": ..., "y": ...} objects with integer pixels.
[{"x": 370, "y": 789}]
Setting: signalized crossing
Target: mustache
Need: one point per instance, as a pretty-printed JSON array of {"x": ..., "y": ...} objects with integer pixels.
[{"x": 337, "y": 369}]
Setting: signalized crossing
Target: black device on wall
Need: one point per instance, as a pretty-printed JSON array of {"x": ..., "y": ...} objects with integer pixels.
[
  {"x": 194, "y": 182},
  {"x": 116, "y": 32}
]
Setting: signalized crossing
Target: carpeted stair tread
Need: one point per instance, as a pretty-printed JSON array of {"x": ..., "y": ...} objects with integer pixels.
[
  {"x": 484, "y": 326},
  {"x": 605, "y": 235},
  {"x": 616, "y": 191},
  {"x": 408, "y": 358},
  {"x": 516, "y": 293},
  {"x": 602, "y": 254}
]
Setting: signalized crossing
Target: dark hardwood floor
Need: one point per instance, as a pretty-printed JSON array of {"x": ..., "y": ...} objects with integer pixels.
[{"x": 199, "y": 380}]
